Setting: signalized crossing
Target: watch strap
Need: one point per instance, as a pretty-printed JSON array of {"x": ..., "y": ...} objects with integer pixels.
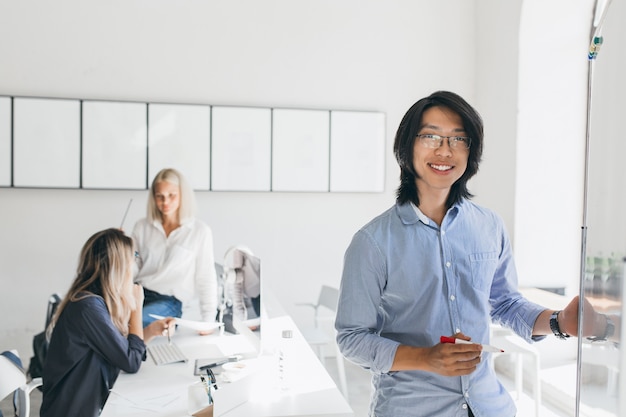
[{"x": 554, "y": 326}]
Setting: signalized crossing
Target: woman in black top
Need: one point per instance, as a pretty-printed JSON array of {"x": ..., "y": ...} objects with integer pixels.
[{"x": 97, "y": 330}]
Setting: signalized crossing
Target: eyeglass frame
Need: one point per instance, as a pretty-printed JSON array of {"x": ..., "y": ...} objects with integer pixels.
[{"x": 452, "y": 145}]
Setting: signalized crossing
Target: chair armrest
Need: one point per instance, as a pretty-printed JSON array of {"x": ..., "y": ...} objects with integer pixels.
[
  {"x": 34, "y": 383},
  {"x": 23, "y": 397}
]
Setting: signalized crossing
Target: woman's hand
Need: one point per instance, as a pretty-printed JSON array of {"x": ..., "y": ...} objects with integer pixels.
[
  {"x": 161, "y": 327},
  {"x": 205, "y": 332}
]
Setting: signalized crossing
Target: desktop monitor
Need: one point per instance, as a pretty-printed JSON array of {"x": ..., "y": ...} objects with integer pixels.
[{"x": 240, "y": 288}]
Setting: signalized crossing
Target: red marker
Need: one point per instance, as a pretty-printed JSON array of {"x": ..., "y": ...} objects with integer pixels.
[{"x": 486, "y": 348}]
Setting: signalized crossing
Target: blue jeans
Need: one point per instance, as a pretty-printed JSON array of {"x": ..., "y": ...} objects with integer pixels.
[{"x": 160, "y": 305}]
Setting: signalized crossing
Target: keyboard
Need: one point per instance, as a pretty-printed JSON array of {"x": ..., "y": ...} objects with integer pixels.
[{"x": 166, "y": 353}]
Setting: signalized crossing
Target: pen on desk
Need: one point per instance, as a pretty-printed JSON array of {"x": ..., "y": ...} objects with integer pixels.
[
  {"x": 212, "y": 378},
  {"x": 169, "y": 338},
  {"x": 486, "y": 348},
  {"x": 234, "y": 358}
]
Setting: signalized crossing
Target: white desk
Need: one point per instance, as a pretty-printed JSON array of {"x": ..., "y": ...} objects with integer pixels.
[
  {"x": 163, "y": 390},
  {"x": 545, "y": 298}
]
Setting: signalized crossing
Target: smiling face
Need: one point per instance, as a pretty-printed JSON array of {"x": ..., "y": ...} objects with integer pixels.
[{"x": 437, "y": 169}]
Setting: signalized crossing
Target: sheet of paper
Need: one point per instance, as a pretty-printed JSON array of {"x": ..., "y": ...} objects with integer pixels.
[
  {"x": 192, "y": 324},
  {"x": 253, "y": 322}
]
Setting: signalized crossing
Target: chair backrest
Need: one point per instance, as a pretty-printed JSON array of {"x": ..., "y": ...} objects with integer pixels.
[
  {"x": 329, "y": 298},
  {"x": 40, "y": 342},
  {"x": 53, "y": 304},
  {"x": 11, "y": 377}
]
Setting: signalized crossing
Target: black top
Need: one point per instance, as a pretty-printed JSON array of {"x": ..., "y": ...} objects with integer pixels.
[{"x": 84, "y": 359}]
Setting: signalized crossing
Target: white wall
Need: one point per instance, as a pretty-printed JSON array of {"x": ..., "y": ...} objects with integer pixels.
[
  {"x": 353, "y": 55},
  {"x": 497, "y": 29}
]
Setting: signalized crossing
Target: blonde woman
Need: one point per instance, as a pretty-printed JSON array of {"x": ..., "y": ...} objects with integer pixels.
[
  {"x": 97, "y": 329},
  {"x": 175, "y": 251}
]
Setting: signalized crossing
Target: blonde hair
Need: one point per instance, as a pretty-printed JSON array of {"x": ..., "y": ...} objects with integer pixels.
[
  {"x": 187, "y": 207},
  {"x": 104, "y": 270}
]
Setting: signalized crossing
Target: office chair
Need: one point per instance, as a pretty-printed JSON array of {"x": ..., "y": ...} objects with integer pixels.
[
  {"x": 40, "y": 342},
  {"x": 317, "y": 338},
  {"x": 13, "y": 380}
]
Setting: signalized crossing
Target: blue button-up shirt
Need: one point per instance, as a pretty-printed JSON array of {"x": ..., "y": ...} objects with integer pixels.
[{"x": 408, "y": 281}]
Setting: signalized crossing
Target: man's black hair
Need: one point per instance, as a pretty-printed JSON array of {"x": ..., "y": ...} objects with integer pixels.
[{"x": 407, "y": 133}]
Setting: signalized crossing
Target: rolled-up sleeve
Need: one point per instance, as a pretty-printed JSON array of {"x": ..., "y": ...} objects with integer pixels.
[{"x": 509, "y": 307}]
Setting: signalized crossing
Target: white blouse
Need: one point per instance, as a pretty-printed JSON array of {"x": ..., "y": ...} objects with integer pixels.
[{"x": 181, "y": 264}]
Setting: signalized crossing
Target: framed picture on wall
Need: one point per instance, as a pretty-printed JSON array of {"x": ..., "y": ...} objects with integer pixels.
[
  {"x": 95, "y": 144},
  {"x": 114, "y": 145},
  {"x": 300, "y": 146},
  {"x": 46, "y": 141},
  {"x": 241, "y": 149},
  {"x": 357, "y": 151},
  {"x": 179, "y": 136}
]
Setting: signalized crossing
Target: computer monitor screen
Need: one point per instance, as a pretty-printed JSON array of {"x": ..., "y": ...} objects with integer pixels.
[{"x": 241, "y": 289}]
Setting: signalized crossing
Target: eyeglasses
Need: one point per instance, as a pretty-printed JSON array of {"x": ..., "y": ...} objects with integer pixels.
[{"x": 435, "y": 141}]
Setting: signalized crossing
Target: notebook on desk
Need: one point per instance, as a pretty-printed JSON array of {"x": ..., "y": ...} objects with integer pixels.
[{"x": 211, "y": 354}]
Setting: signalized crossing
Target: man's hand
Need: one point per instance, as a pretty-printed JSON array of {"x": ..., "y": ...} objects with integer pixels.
[
  {"x": 447, "y": 359},
  {"x": 454, "y": 359}
]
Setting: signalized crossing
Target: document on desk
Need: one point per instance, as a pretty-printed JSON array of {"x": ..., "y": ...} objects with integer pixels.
[
  {"x": 192, "y": 324},
  {"x": 141, "y": 403}
]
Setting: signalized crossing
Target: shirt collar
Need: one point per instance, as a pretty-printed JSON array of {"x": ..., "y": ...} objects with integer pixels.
[
  {"x": 406, "y": 213},
  {"x": 184, "y": 223},
  {"x": 409, "y": 213},
  {"x": 423, "y": 218}
]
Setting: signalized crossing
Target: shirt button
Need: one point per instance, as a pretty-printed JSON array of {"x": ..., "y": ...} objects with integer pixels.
[
  {"x": 464, "y": 406},
  {"x": 457, "y": 331},
  {"x": 452, "y": 297},
  {"x": 448, "y": 264},
  {"x": 467, "y": 395}
]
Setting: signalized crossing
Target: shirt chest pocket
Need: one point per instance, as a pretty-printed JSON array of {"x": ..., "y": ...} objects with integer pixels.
[{"x": 483, "y": 268}]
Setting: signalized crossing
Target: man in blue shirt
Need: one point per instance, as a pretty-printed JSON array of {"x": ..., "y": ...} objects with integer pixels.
[{"x": 436, "y": 264}]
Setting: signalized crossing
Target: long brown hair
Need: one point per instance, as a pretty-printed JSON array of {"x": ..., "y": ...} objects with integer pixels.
[{"x": 104, "y": 270}]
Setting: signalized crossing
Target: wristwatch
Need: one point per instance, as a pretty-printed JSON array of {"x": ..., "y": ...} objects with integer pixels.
[
  {"x": 608, "y": 332},
  {"x": 554, "y": 326}
]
